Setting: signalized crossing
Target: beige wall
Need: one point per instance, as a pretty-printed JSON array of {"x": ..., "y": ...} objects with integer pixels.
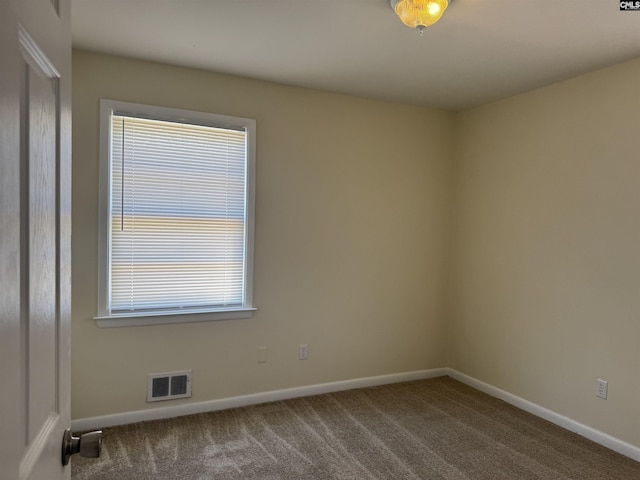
[
  {"x": 546, "y": 271},
  {"x": 350, "y": 247}
]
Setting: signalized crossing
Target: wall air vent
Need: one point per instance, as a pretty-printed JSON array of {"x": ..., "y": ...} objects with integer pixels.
[{"x": 168, "y": 386}]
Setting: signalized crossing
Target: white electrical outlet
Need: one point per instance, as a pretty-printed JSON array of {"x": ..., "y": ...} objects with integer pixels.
[
  {"x": 262, "y": 354},
  {"x": 601, "y": 388},
  {"x": 303, "y": 352}
]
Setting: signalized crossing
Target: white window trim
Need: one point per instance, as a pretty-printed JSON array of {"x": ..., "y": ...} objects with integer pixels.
[{"x": 105, "y": 318}]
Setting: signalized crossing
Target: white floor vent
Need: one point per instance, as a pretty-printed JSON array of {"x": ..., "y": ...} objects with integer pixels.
[{"x": 168, "y": 386}]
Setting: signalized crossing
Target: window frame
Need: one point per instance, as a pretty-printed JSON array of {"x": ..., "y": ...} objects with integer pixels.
[{"x": 105, "y": 318}]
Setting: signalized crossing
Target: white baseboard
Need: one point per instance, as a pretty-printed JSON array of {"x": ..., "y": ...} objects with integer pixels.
[
  {"x": 592, "y": 434},
  {"x": 158, "y": 413}
]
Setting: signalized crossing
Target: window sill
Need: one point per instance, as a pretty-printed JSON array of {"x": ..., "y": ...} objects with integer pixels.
[{"x": 140, "y": 319}]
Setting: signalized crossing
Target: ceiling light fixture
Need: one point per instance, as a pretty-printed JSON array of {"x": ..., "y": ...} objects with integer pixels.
[{"x": 419, "y": 14}]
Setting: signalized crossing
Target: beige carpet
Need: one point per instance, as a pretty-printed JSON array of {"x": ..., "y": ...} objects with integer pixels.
[{"x": 429, "y": 429}]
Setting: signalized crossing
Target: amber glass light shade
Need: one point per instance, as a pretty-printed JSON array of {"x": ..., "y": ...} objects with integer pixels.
[{"x": 420, "y": 13}]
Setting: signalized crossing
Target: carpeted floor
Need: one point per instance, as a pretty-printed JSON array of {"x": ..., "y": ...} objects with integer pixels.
[{"x": 430, "y": 429}]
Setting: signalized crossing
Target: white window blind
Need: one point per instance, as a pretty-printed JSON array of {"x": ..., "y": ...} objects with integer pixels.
[{"x": 178, "y": 213}]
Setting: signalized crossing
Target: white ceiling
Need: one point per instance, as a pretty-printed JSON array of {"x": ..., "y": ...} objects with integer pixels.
[{"x": 481, "y": 50}]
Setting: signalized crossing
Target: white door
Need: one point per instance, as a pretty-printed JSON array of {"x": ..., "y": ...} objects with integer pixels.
[{"x": 35, "y": 234}]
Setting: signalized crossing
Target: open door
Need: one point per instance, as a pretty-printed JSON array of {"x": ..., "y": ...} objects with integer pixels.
[{"x": 35, "y": 238}]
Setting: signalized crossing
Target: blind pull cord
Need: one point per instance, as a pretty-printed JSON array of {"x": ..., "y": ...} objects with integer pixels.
[{"x": 122, "y": 180}]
